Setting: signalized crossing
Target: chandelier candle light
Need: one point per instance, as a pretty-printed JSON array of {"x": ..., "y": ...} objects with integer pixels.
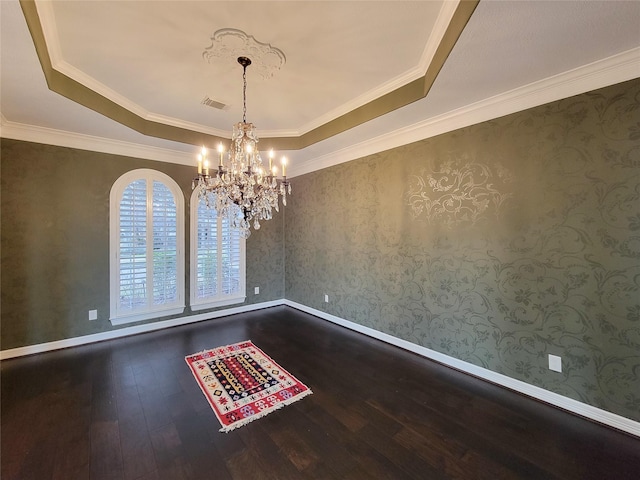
[{"x": 240, "y": 187}]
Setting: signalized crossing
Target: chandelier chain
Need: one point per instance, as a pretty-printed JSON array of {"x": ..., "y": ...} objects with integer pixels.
[
  {"x": 244, "y": 94},
  {"x": 241, "y": 189}
]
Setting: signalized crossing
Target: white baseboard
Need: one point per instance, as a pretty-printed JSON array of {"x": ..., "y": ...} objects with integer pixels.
[
  {"x": 593, "y": 413},
  {"x": 134, "y": 330},
  {"x": 574, "y": 406}
]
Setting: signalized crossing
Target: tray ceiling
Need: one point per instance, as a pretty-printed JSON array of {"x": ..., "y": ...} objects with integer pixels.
[{"x": 352, "y": 70}]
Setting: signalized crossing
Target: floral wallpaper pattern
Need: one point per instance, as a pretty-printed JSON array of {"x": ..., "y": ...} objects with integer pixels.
[
  {"x": 55, "y": 255},
  {"x": 497, "y": 244},
  {"x": 459, "y": 192}
]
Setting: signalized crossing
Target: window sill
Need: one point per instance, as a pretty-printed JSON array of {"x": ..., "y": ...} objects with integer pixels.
[
  {"x": 147, "y": 315},
  {"x": 217, "y": 303}
]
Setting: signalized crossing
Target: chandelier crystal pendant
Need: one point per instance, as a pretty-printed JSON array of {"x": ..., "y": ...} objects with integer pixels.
[{"x": 241, "y": 187}]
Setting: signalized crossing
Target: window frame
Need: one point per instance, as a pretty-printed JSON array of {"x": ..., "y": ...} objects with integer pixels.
[
  {"x": 220, "y": 299},
  {"x": 117, "y": 315}
]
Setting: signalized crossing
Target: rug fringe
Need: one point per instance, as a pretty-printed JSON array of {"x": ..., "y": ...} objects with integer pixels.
[
  {"x": 245, "y": 421},
  {"x": 221, "y": 346},
  {"x": 197, "y": 357}
]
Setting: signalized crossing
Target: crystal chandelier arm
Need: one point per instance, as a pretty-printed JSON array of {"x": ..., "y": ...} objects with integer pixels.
[{"x": 240, "y": 189}]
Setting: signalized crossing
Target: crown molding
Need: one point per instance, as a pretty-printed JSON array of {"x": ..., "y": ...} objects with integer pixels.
[
  {"x": 615, "y": 69},
  {"x": 609, "y": 71},
  {"x": 111, "y": 107},
  {"x": 59, "y": 64},
  {"x": 60, "y": 138},
  {"x": 52, "y": 42},
  {"x": 445, "y": 16}
]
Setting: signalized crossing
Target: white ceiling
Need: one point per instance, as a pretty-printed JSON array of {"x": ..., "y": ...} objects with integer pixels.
[{"x": 148, "y": 57}]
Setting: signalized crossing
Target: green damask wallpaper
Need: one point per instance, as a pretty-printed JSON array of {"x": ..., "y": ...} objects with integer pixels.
[
  {"x": 55, "y": 241},
  {"x": 496, "y": 244}
]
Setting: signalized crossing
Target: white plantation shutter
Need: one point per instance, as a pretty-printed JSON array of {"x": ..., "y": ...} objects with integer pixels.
[
  {"x": 165, "y": 248},
  {"x": 147, "y": 254},
  {"x": 206, "y": 253},
  {"x": 133, "y": 246},
  {"x": 229, "y": 258},
  {"x": 217, "y": 259}
]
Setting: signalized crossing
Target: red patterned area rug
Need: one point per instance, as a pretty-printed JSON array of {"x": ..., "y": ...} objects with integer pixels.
[{"x": 243, "y": 384}]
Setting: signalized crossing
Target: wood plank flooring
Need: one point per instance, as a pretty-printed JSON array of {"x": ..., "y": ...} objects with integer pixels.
[{"x": 130, "y": 409}]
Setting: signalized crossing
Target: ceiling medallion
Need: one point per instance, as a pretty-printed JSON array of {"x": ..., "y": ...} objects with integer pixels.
[
  {"x": 230, "y": 43},
  {"x": 241, "y": 188}
]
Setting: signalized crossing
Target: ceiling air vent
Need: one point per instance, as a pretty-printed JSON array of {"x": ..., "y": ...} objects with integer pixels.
[{"x": 212, "y": 103}]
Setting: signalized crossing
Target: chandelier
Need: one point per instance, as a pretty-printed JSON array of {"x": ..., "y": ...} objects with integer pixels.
[{"x": 241, "y": 188}]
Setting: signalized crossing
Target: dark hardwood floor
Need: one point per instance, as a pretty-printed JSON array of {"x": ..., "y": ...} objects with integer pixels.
[{"x": 131, "y": 409}]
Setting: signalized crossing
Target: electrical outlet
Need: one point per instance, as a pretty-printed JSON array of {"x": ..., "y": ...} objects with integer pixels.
[
  {"x": 326, "y": 298},
  {"x": 555, "y": 363},
  {"x": 256, "y": 290},
  {"x": 93, "y": 314}
]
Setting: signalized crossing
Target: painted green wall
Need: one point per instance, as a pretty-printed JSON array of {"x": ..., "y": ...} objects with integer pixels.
[
  {"x": 496, "y": 244},
  {"x": 55, "y": 241}
]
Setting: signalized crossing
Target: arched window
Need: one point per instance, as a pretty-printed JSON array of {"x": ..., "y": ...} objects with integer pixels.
[
  {"x": 217, "y": 259},
  {"x": 146, "y": 247}
]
